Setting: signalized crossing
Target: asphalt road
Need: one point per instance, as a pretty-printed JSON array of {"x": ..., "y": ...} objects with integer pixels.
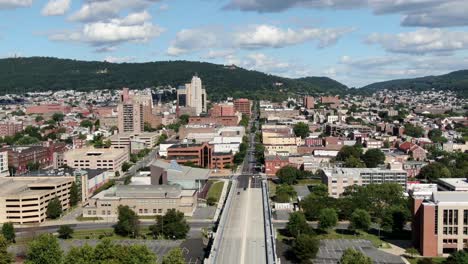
[{"x": 243, "y": 238}]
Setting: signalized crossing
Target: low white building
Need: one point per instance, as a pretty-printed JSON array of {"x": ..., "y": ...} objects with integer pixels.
[{"x": 4, "y": 164}]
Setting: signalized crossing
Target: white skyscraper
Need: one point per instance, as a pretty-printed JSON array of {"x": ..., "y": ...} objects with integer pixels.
[{"x": 193, "y": 95}]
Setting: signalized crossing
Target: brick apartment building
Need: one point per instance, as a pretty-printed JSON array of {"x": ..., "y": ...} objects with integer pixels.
[
  {"x": 440, "y": 221},
  {"x": 20, "y": 157},
  {"x": 274, "y": 163},
  {"x": 309, "y": 102},
  {"x": 243, "y": 106},
  {"x": 219, "y": 120},
  {"x": 222, "y": 110},
  {"x": 10, "y": 128},
  {"x": 48, "y": 109},
  {"x": 201, "y": 155}
]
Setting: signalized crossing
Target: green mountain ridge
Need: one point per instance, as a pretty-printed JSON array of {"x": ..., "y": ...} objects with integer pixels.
[
  {"x": 456, "y": 81},
  {"x": 37, "y": 74}
]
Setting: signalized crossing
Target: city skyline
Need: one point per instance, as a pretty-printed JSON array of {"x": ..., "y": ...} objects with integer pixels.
[{"x": 356, "y": 43}]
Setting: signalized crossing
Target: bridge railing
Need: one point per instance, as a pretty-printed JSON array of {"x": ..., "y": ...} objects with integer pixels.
[
  {"x": 270, "y": 234},
  {"x": 221, "y": 226}
]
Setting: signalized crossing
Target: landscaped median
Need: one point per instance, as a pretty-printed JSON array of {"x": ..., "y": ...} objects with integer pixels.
[{"x": 214, "y": 193}]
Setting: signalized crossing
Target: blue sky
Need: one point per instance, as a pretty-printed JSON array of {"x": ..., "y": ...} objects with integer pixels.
[{"x": 356, "y": 42}]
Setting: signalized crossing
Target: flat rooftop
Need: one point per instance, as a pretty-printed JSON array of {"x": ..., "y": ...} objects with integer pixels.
[
  {"x": 20, "y": 186},
  {"x": 104, "y": 153},
  {"x": 144, "y": 191},
  {"x": 454, "y": 183}
]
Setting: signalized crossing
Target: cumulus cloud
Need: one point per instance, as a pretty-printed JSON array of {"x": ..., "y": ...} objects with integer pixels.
[
  {"x": 216, "y": 54},
  {"x": 428, "y": 13},
  {"x": 99, "y": 10},
  {"x": 261, "y": 36},
  {"x": 10, "y": 4},
  {"x": 56, "y": 7},
  {"x": 363, "y": 71},
  {"x": 190, "y": 40},
  {"x": 113, "y": 32},
  {"x": 422, "y": 41},
  {"x": 254, "y": 37}
]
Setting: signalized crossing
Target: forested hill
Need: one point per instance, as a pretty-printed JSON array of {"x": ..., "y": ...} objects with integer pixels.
[
  {"x": 456, "y": 81},
  {"x": 43, "y": 74}
]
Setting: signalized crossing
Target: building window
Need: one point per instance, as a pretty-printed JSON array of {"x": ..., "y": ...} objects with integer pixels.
[
  {"x": 140, "y": 211},
  {"x": 465, "y": 217},
  {"x": 146, "y": 211}
]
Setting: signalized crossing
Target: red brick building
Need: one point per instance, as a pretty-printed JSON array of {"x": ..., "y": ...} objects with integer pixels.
[
  {"x": 10, "y": 128},
  {"x": 309, "y": 102},
  {"x": 243, "y": 106},
  {"x": 48, "y": 109},
  {"x": 222, "y": 110},
  {"x": 221, "y": 120},
  {"x": 20, "y": 157},
  {"x": 314, "y": 142},
  {"x": 415, "y": 151},
  {"x": 274, "y": 163},
  {"x": 201, "y": 155}
]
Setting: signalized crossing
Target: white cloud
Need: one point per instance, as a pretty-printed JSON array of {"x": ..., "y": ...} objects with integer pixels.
[
  {"x": 10, "y": 4},
  {"x": 261, "y": 36},
  {"x": 163, "y": 7},
  {"x": 215, "y": 54},
  {"x": 56, "y": 7},
  {"x": 99, "y": 10},
  {"x": 255, "y": 37},
  {"x": 360, "y": 72},
  {"x": 428, "y": 13},
  {"x": 422, "y": 41},
  {"x": 190, "y": 40},
  {"x": 113, "y": 32}
]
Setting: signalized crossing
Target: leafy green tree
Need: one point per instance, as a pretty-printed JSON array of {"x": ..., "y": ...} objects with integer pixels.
[
  {"x": 287, "y": 175},
  {"x": 74, "y": 194},
  {"x": 353, "y": 162},
  {"x": 373, "y": 157},
  {"x": 39, "y": 119},
  {"x": 301, "y": 129},
  {"x": 54, "y": 208},
  {"x": 81, "y": 255},
  {"x": 328, "y": 218},
  {"x": 174, "y": 256},
  {"x": 284, "y": 193},
  {"x": 297, "y": 224},
  {"x": 127, "y": 224},
  {"x": 394, "y": 218},
  {"x": 434, "y": 171},
  {"x": 5, "y": 256},
  {"x": 305, "y": 247},
  {"x": 316, "y": 201},
  {"x": 44, "y": 249},
  {"x": 86, "y": 123},
  {"x": 459, "y": 257},
  {"x": 360, "y": 220},
  {"x": 414, "y": 130},
  {"x": 184, "y": 119},
  {"x": 126, "y": 166},
  {"x": 352, "y": 256},
  {"x": 65, "y": 232},
  {"x": 58, "y": 117},
  {"x": 349, "y": 151},
  {"x": 172, "y": 225},
  {"x": 8, "y": 232},
  {"x": 436, "y": 136},
  {"x": 162, "y": 138}
]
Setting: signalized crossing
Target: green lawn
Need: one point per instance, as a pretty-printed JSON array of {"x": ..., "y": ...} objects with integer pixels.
[
  {"x": 308, "y": 182},
  {"x": 81, "y": 218},
  {"x": 434, "y": 260},
  {"x": 215, "y": 190},
  {"x": 361, "y": 235},
  {"x": 106, "y": 232},
  {"x": 272, "y": 187}
]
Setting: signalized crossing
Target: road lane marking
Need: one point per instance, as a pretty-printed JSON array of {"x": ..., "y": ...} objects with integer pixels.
[{"x": 244, "y": 237}]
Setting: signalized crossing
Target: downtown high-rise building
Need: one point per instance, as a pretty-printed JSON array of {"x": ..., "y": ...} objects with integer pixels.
[
  {"x": 192, "y": 95},
  {"x": 131, "y": 112}
]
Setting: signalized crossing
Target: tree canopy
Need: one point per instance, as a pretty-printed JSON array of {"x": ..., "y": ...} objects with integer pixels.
[
  {"x": 127, "y": 224},
  {"x": 301, "y": 129},
  {"x": 352, "y": 256},
  {"x": 373, "y": 157},
  {"x": 44, "y": 249},
  {"x": 54, "y": 208},
  {"x": 297, "y": 224},
  {"x": 172, "y": 225}
]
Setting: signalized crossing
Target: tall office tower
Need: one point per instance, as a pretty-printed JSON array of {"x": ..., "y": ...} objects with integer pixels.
[
  {"x": 193, "y": 95},
  {"x": 131, "y": 113},
  {"x": 309, "y": 102}
]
